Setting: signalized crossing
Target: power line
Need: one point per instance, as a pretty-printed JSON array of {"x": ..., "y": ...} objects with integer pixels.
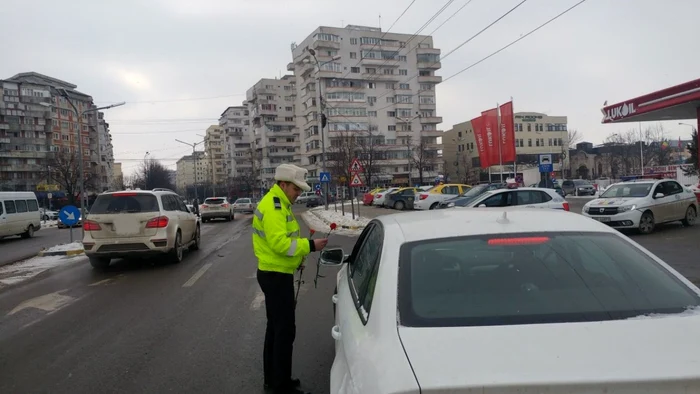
[
  {"x": 172, "y": 100},
  {"x": 156, "y": 132},
  {"x": 514, "y": 42}
]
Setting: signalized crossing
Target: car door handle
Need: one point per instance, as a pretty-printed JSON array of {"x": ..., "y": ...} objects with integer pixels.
[
  {"x": 334, "y": 298},
  {"x": 335, "y": 333}
]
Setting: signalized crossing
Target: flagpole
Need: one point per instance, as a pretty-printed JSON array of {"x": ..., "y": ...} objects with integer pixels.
[
  {"x": 515, "y": 146},
  {"x": 500, "y": 137}
]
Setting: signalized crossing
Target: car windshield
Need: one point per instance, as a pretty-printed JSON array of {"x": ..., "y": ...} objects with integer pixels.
[
  {"x": 628, "y": 190},
  {"x": 475, "y": 191},
  {"x": 243, "y": 201},
  {"x": 508, "y": 279},
  {"x": 214, "y": 201},
  {"x": 124, "y": 203}
]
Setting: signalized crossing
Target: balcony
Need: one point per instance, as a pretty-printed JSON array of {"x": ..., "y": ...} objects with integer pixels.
[
  {"x": 427, "y": 106},
  {"x": 380, "y": 62},
  {"x": 427, "y": 51},
  {"x": 429, "y": 65},
  {"x": 431, "y": 133},
  {"x": 326, "y": 44},
  {"x": 22, "y": 168},
  {"x": 290, "y": 66},
  {"x": 429, "y": 79},
  {"x": 431, "y": 119},
  {"x": 382, "y": 77}
]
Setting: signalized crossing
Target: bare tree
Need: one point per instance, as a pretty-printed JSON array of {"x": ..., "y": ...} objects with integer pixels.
[
  {"x": 424, "y": 157},
  {"x": 250, "y": 177},
  {"x": 465, "y": 169},
  {"x": 368, "y": 152},
  {"x": 573, "y": 138},
  {"x": 656, "y": 149},
  {"x": 64, "y": 167},
  {"x": 341, "y": 153},
  {"x": 153, "y": 174}
]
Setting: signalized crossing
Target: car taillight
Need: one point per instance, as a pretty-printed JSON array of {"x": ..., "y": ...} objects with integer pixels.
[
  {"x": 159, "y": 222},
  {"x": 205, "y": 206},
  {"x": 224, "y": 205},
  {"x": 517, "y": 241},
  {"x": 566, "y": 206},
  {"x": 378, "y": 196},
  {"x": 89, "y": 225},
  {"x": 423, "y": 196}
]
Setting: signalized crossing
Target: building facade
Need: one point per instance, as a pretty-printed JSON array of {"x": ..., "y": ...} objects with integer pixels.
[
  {"x": 191, "y": 170},
  {"x": 274, "y": 135},
  {"x": 377, "y": 91},
  {"x": 235, "y": 123},
  {"x": 215, "y": 148}
]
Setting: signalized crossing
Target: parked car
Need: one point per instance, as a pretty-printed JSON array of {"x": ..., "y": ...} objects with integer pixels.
[
  {"x": 465, "y": 198},
  {"x": 48, "y": 215},
  {"x": 492, "y": 301},
  {"x": 138, "y": 224},
  {"x": 380, "y": 198},
  {"x": 401, "y": 199},
  {"x": 368, "y": 198},
  {"x": 62, "y": 225},
  {"x": 530, "y": 197},
  {"x": 216, "y": 208},
  {"x": 19, "y": 214},
  {"x": 578, "y": 187},
  {"x": 642, "y": 204},
  {"x": 244, "y": 205},
  {"x": 305, "y": 196},
  {"x": 432, "y": 198}
]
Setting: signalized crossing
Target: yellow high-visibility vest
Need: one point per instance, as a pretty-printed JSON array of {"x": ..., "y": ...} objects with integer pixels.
[{"x": 276, "y": 234}]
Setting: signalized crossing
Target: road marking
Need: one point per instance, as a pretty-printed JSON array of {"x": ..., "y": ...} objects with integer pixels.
[
  {"x": 106, "y": 281},
  {"x": 48, "y": 302},
  {"x": 197, "y": 275},
  {"x": 257, "y": 301}
]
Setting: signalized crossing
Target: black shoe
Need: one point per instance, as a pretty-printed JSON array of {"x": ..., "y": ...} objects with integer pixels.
[
  {"x": 291, "y": 390},
  {"x": 292, "y": 384}
]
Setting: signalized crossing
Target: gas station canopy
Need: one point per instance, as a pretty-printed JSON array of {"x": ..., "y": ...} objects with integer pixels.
[{"x": 678, "y": 102}]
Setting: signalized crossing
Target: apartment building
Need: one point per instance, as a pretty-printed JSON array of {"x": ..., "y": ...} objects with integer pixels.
[
  {"x": 215, "y": 148},
  {"x": 274, "y": 135},
  {"x": 117, "y": 176},
  {"x": 235, "y": 123},
  {"x": 377, "y": 88},
  {"x": 535, "y": 133},
  {"x": 36, "y": 121},
  {"x": 191, "y": 170}
]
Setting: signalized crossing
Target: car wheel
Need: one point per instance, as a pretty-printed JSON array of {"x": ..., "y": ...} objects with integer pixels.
[
  {"x": 29, "y": 233},
  {"x": 197, "y": 238},
  {"x": 175, "y": 255},
  {"x": 435, "y": 205},
  {"x": 646, "y": 223},
  {"x": 99, "y": 263},
  {"x": 399, "y": 206},
  {"x": 690, "y": 216}
]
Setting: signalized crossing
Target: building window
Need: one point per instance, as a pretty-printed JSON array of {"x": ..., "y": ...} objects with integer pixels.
[
  {"x": 371, "y": 85},
  {"x": 388, "y": 71},
  {"x": 389, "y": 85},
  {"x": 355, "y": 70},
  {"x": 371, "y": 100},
  {"x": 353, "y": 41},
  {"x": 372, "y": 114},
  {"x": 353, "y": 55},
  {"x": 391, "y": 114},
  {"x": 390, "y": 100},
  {"x": 529, "y": 142},
  {"x": 404, "y": 86},
  {"x": 402, "y": 58},
  {"x": 426, "y": 86},
  {"x": 403, "y": 72},
  {"x": 370, "y": 70},
  {"x": 529, "y": 128},
  {"x": 392, "y": 128},
  {"x": 289, "y": 108}
]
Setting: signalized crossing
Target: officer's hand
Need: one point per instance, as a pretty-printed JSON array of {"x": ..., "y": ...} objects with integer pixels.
[{"x": 320, "y": 243}]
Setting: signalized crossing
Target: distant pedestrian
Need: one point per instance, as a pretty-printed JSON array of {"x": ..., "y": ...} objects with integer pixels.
[{"x": 280, "y": 250}]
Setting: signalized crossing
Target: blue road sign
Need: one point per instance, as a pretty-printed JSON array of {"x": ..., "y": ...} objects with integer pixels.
[
  {"x": 317, "y": 186},
  {"x": 69, "y": 215},
  {"x": 325, "y": 177},
  {"x": 545, "y": 162}
]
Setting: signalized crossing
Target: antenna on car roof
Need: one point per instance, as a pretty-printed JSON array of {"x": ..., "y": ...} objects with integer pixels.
[{"x": 503, "y": 219}]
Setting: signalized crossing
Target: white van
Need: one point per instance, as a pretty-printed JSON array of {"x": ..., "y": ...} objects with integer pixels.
[{"x": 19, "y": 214}]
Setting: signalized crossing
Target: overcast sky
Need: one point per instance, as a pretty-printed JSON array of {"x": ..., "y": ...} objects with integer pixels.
[{"x": 152, "y": 52}]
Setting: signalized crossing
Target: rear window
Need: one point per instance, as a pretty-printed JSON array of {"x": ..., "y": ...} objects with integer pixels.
[
  {"x": 214, "y": 201},
  {"x": 243, "y": 201},
  {"x": 509, "y": 279},
  {"x": 126, "y": 203}
]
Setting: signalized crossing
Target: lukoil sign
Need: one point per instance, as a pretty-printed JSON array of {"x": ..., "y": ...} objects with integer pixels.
[{"x": 619, "y": 112}]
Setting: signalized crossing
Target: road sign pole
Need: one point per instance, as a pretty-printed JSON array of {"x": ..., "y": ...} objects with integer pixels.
[{"x": 71, "y": 234}]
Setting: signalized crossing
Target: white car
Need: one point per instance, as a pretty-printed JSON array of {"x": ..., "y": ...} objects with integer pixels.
[
  {"x": 492, "y": 301},
  {"x": 642, "y": 204},
  {"x": 529, "y": 197},
  {"x": 216, "y": 208},
  {"x": 380, "y": 198},
  {"x": 244, "y": 205}
]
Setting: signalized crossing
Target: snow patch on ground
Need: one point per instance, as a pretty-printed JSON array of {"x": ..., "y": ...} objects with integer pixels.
[
  {"x": 338, "y": 218},
  {"x": 49, "y": 223},
  {"x": 19, "y": 272},
  {"x": 77, "y": 245},
  {"x": 322, "y": 227}
]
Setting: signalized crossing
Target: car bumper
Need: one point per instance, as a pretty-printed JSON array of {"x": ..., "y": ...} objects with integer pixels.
[
  {"x": 127, "y": 247},
  {"x": 215, "y": 215},
  {"x": 629, "y": 219},
  {"x": 421, "y": 205}
]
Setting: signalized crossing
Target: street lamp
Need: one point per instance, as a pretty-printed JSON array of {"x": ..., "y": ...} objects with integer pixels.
[
  {"x": 410, "y": 155},
  {"x": 319, "y": 97},
  {"x": 81, "y": 168},
  {"x": 194, "y": 160}
]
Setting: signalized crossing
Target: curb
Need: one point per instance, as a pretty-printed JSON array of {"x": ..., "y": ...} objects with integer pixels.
[
  {"x": 17, "y": 260},
  {"x": 62, "y": 253},
  {"x": 341, "y": 226}
]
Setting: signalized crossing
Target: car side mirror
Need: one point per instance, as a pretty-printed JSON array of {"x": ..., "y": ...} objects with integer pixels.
[
  {"x": 659, "y": 195},
  {"x": 481, "y": 206},
  {"x": 332, "y": 257}
]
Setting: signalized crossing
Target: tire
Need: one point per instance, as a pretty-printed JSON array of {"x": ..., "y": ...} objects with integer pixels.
[
  {"x": 690, "y": 217},
  {"x": 646, "y": 223},
  {"x": 45, "y": 217},
  {"x": 197, "y": 239},
  {"x": 29, "y": 233},
  {"x": 99, "y": 263},
  {"x": 175, "y": 254},
  {"x": 435, "y": 205},
  {"x": 399, "y": 206}
]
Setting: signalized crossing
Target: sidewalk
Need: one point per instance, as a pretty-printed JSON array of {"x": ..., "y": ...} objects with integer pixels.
[{"x": 320, "y": 220}]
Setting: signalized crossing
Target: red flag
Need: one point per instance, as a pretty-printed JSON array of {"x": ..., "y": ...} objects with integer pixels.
[
  {"x": 680, "y": 144},
  {"x": 507, "y": 132},
  {"x": 478, "y": 126},
  {"x": 491, "y": 134}
]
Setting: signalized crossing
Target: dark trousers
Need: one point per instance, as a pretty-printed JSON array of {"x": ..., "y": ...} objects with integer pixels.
[{"x": 281, "y": 327}]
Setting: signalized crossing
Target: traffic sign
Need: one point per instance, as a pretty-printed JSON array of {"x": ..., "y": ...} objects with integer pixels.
[
  {"x": 69, "y": 215},
  {"x": 343, "y": 179},
  {"x": 325, "y": 177},
  {"x": 545, "y": 162},
  {"x": 317, "y": 186},
  {"x": 356, "y": 181},
  {"x": 318, "y": 192},
  {"x": 355, "y": 166}
]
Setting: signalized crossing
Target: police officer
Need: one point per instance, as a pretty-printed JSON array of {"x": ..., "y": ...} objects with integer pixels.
[{"x": 280, "y": 251}]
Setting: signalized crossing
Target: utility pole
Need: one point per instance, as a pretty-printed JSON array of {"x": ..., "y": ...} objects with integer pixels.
[{"x": 194, "y": 160}]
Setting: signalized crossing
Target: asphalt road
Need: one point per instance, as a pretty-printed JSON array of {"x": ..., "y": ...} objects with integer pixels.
[
  {"x": 16, "y": 248},
  {"x": 193, "y": 327}
]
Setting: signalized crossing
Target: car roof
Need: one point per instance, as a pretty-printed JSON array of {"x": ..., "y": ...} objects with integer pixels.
[
  {"x": 444, "y": 223},
  {"x": 140, "y": 191}
]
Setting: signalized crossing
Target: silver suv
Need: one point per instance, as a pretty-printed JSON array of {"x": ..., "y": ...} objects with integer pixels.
[
  {"x": 139, "y": 223},
  {"x": 216, "y": 208}
]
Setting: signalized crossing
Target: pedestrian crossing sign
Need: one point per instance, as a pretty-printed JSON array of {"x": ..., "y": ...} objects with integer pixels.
[
  {"x": 325, "y": 177},
  {"x": 356, "y": 181},
  {"x": 355, "y": 166}
]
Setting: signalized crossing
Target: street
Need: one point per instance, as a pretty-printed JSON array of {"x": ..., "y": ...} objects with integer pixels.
[
  {"x": 17, "y": 248},
  {"x": 193, "y": 327}
]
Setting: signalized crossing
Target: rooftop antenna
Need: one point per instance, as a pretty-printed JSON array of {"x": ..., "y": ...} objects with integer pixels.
[
  {"x": 380, "y": 22},
  {"x": 503, "y": 219}
]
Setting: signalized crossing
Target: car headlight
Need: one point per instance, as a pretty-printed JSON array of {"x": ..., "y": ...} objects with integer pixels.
[
  {"x": 585, "y": 208},
  {"x": 451, "y": 205},
  {"x": 626, "y": 208}
]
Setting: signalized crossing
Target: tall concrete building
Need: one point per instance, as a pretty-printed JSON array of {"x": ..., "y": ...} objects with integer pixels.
[
  {"x": 274, "y": 135},
  {"x": 191, "y": 170},
  {"x": 215, "y": 148},
  {"x": 235, "y": 123},
  {"x": 535, "y": 133},
  {"x": 378, "y": 91},
  {"x": 37, "y": 123},
  {"x": 117, "y": 176}
]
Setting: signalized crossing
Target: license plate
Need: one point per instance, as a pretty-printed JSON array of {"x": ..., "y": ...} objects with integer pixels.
[{"x": 604, "y": 220}]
